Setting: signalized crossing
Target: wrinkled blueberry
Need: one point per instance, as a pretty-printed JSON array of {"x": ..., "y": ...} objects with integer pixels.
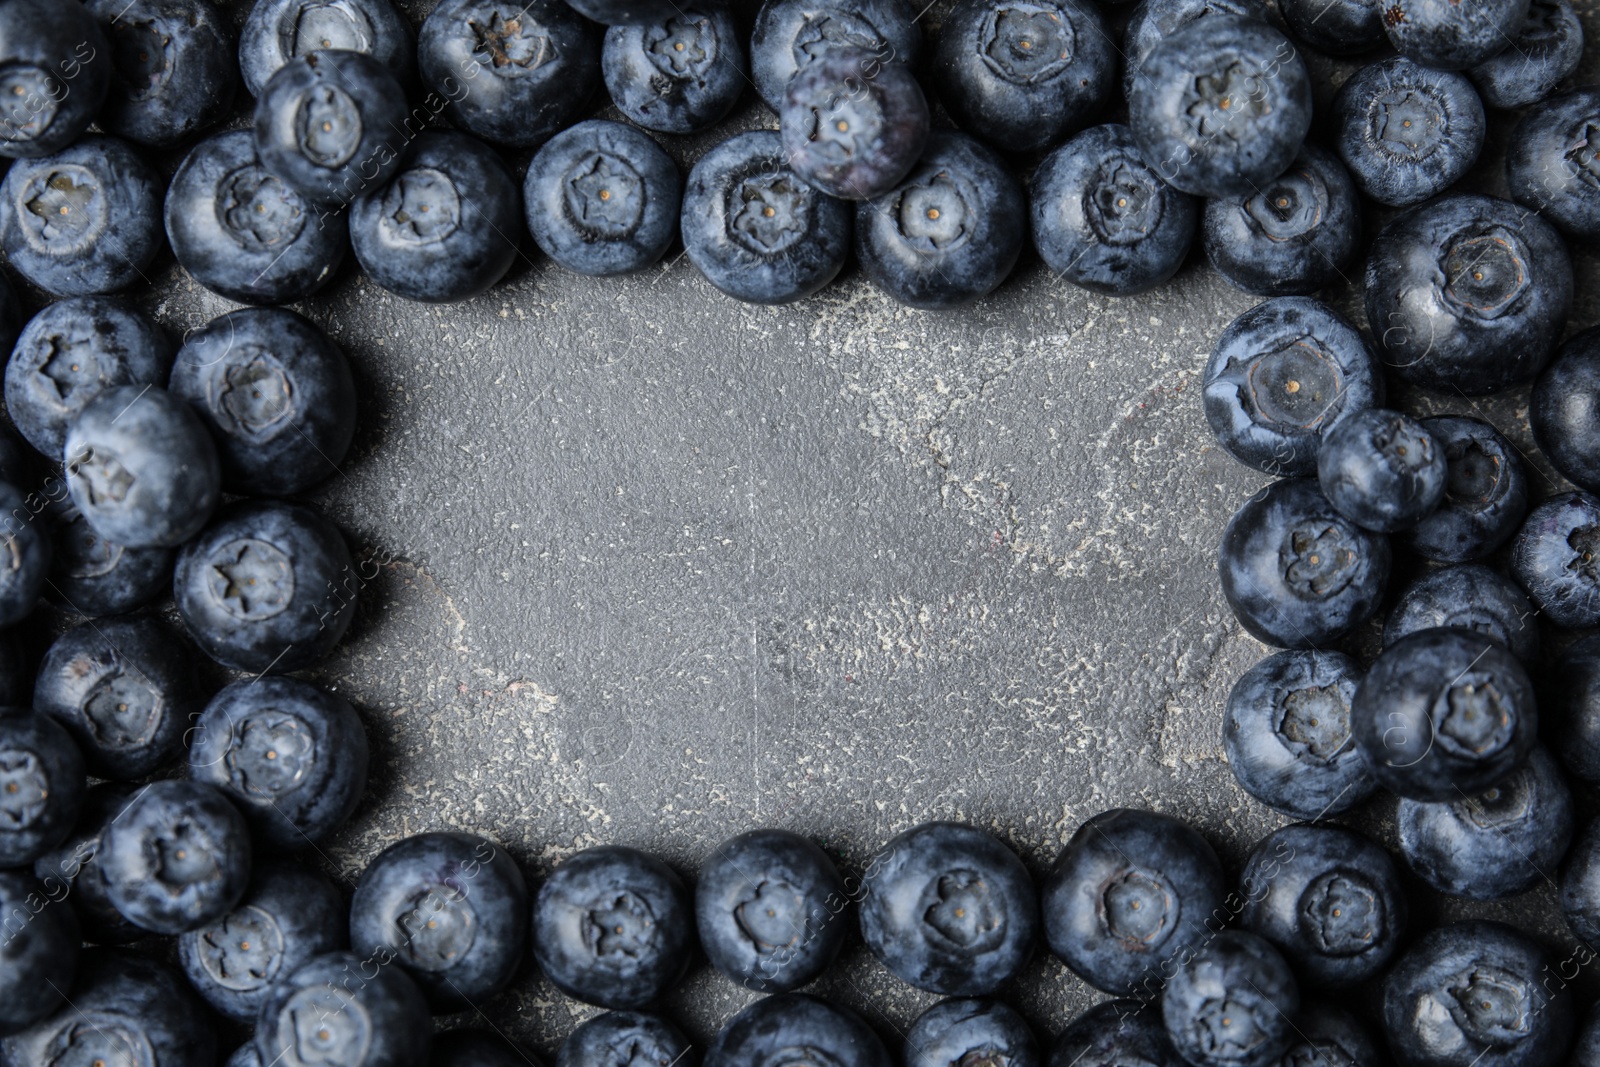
[
  {"x": 852, "y": 126},
  {"x": 1553, "y": 161},
  {"x": 1468, "y": 596},
  {"x": 1232, "y": 1004},
  {"x": 24, "y": 556},
  {"x": 963, "y": 1032},
  {"x": 72, "y": 868},
  {"x": 41, "y": 788},
  {"x": 1564, "y": 410},
  {"x": 278, "y": 31},
  {"x": 1545, "y": 49},
  {"x": 796, "y": 1030},
  {"x": 625, "y": 1039},
  {"x": 1115, "y": 1033},
  {"x": 1556, "y": 558},
  {"x": 681, "y": 72},
  {"x": 791, "y": 34},
  {"x": 40, "y": 945},
  {"x": 1338, "y": 27},
  {"x": 1382, "y": 469},
  {"x": 55, "y": 71},
  {"x": 1407, "y": 132},
  {"x": 173, "y": 68},
  {"x": 1447, "y": 35},
  {"x": 1485, "y": 493},
  {"x": 1570, "y": 696},
  {"x": 339, "y": 1009}
]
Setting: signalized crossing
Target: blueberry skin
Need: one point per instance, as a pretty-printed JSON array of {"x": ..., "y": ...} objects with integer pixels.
[
  {"x": 1024, "y": 76},
  {"x": 630, "y": 228},
  {"x": 292, "y": 757},
  {"x": 949, "y": 909},
  {"x": 1130, "y": 893},
  {"x": 1447, "y": 36},
  {"x": 306, "y": 591},
  {"x": 1341, "y": 27},
  {"x": 1444, "y": 712},
  {"x": 1433, "y": 1019},
  {"x": 276, "y": 394},
  {"x": 1468, "y": 596},
  {"x": 782, "y": 872},
  {"x": 41, "y": 952},
  {"x": 1544, "y": 51},
  {"x": 1232, "y": 1004},
  {"x": 86, "y": 220},
  {"x": 791, "y": 34},
  {"x": 852, "y": 126},
  {"x": 288, "y": 915},
  {"x": 1113, "y": 1033},
  {"x": 1554, "y": 557},
  {"x": 141, "y": 467},
  {"x": 623, "y": 1038},
  {"x": 752, "y": 256},
  {"x": 278, "y": 31},
  {"x": 1282, "y": 374},
  {"x": 1382, "y": 469},
  {"x": 1580, "y": 885},
  {"x": 177, "y": 858},
  {"x": 530, "y": 75},
  {"x": 41, "y": 787},
  {"x": 242, "y": 233},
  {"x": 661, "y": 88},
  {"x": 1551, "y": 163},
  {"x": 1177, "y": 115},
  {"x": 1296, "y": 573},
  {"x": 1326, "y": 1036},
  {"x": 72, "y": 869},
  {"x": 173, "y": 68},
  {"x": 951, "y": 232},
  {"x": 624, "y": 12},
  {"x": 450, "y": 908},
  {"x": 1570, "y": 697},
  {"x": 1103, "y": 220},
  {"x": 1407, "y": 132},
  {"x": 58, "y": 72},
  {"x": 1485, "y": 495},
  {"x": 372, "y": 1016},
  {"x": 477, "y": 1048},
  {"x": 793, "y": 1029},
  {"x": 1153, "y": 21},
  {"x": 958, "y": 1031},
  {"x": 1292, "y": 236},
  {"x": 1442, "y": 327},
  {"x": 28, "y": 559},
  {"x": 646, "y": 921},
  {"x": 1564, "y": 410}
]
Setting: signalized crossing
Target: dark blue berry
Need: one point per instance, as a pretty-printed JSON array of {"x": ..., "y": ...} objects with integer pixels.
[
  {"x": 72, "y": 869},
  {"x": 1564, "y": 410},
  {"x": 1570, "y": 699},
  {"x": 173, "y": 68},
  {"x": 791, "y": 34},
  {"x": 1114, "y": 1033},
  {"x": 1485, "y": 493},
  {"x": 1338, "y": 27},
  {"x": 1553, "y": 161},
  {"x": 1545, "y": 49},
  {"x": 92, "y": 576},
  {"x": 852, "y": 125},
  {"x": 340, "y": 1008},
  {"x": 1232, "y": 1003},
  {"x": 1407, "y": 132},
  {"x": 27, "y": 556},
  {"x": 1382, "y": 469},
  {"x": 796, "y": 1030},
  {"x": 1447, "y": 35},
  {"x": 40, "y": 943},
  {"x": 963, "y": 1032},
  {"x": 1468, "y": 596},
  {"x": 679, "y": 73},
  {"x": 625, "y": 1039},
  {"x": 1556, "y": 558},
  {"x": 1152, "y": 21},
  {"x": 41, "y": 787},
  {"x": 278, "y": 31},
  {"x": 57, "y": 71}
]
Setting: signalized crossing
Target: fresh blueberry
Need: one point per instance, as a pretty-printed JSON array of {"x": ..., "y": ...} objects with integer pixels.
[
  {"x": 1444, "y": 712},
  {"x": 40, "y": 947},
  {"x": 1564, "y": 410},
  {"x": 1407, "y": 132},
  {"x": 86, "y": 220},
  {"x": 1476, "y": 992},
  {"x": 243, "y": 233},
  {"x": 1102, "y": 219},
  {"x": 1221, "y": 106},
  {"x": 1291, "y": 236},
  {"x": 1580, "y": 885},
  {"x": 602, "y": 198},
  {"x": 949, "y": 909},
  {"x": 1282, "y": 374},
  {"x": 1338, "y": 27},
  {"x": 613, "y": 927},
  {"x": 795, "y": 1030},
  {"x": 950, "y": 232},
  {"x": 27, "y": 557},
  {"x": 41, "y": 787},
  {"x": 1570, "y": 699},
  {"x": 625, "y": 12},
  {"x": 1468, "y": 596},
  {"x": 1115, "y": 1033},
  {"x": 679, "y": 73},
  {"x": 853, "y": 126},
  {"x": 141, "y": 467},
  {"x": 173, "y": 68},
  {"x": 962, "y": 1032},
  {"x": 72, "y": 868},
  {"x": 56, "y": 73},
  {"x": 1556, "y": 558},
  {"x": 792, "y": 34},
  {"x": 338, "y": 1008},
  {"x": 279, "y": 31},
  {"x": 287, "y": 915},
  {"x": 92, "y": 576},
  {"x": 291, "y": 756},
  {"x": 266, "y": 587},
  {"x": 1467, "y": 293},
  {"x": 754, "y": 229},
  {"x": 1544, "y": 51},
  {"x": 1153, "y": 21},
  {"x": 1296, "y": 573},
  {"x": 625, "y": 1039},
  {"x": 1382, "y": 469},
  {"x": 1485, "y": 493},
  {"x": 1446, "y": 35},
  {"x": 1327, "y": 1036},
  {"x": 1553, "y": 161},
  {"x": 276, "y": 394},
  {"x": 768, "y": 907},
  {"x": 1131, "y": 893},
  {"x": 512, "y": 73},
  {"x": 1232, "y": 1003},
  {"x": 478, "y": 1048}
]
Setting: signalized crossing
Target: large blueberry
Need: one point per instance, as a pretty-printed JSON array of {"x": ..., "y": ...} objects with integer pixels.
[
  {"x": 1447, "y": 35},
  {"x": 1407, "y": 132},
  {"x": 40, "y": 946},
  {"x": 681, "y": 73},
  {"x": 55, "y": 72},
  {"x": 1485, "y": 493},
  {"x": 173, "y": 68},
  {"x": 1571, "y": 698},
  {"x": 338, "y": 1008},
  {"x": 1468, "y": 596},
  {"x": 795, "y": 1030},
  {"x": 1338, "y": 27},
  {"x": 1115, "y": 1033},
  {"x": 792, "y": 34},
  {"x": 963, "y": 1032},
  {"x": 853, "y": 126},
  {"x": 1232, "y": 1003},
  {"x": 72, "y": 868},
  {"x": 278, "y": 31},
  {"x": 1556, "y": 558},
  {"x": 1382, "y": 469},
  {"x": 41, "y": 785},
  {"x": 1564, "y": 410},
  {"x": 25, "y": 564},
  {"x": 1553, "y": 161},
  {"x": 624, "y": 1039},
  {"x": 1545, "y": 49}
]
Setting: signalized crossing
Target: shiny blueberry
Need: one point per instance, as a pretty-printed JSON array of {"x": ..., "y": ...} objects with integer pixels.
[
  {"x": 964, "y": 1032},
  {"x": 1407, "y": 132},
  {"x": 1564, "y": 410},
  {"x": 41, "y": 787},
  {"x": 339, "y": 1008},
  {"x": 478, "y": 1048},
  {"x": 625, "y": 1039},
  {"x": 1544, "y": 50},
  {"x": 791, "y": 34},
  {"x": 1571, "y": 699},
  {"x": 1115, "y": 1033},
  {"x": 1338, "y": 27},
  {"x": 679, "y": 73},
  {"x": 25, "y": 561},
  {"x": 796, "y": 1030},
  {"x": 853, "y": 126},
  {"x": 55, "y": 71},
  {"x": 1468, "y": 596},
  {"x": 1485, "y": 493},
  {"x": 1382, "y": 469},
  {"x": 1580, "y": 885},
  {"x": 72, "y": 868},
  {"x": 1152, "y": 21},
  {"x": 92, "y": 576},
  {"x": 1232, "y": 1003},
  {"x": 1553, "y": 161},
  {"x": 40, "y": 948},
  {"x": 173, "y": 68},
  {"x": 278, "y": 31},
  {"x": 1556, "y": 558},
  {"x": 1446, "y": 35}
]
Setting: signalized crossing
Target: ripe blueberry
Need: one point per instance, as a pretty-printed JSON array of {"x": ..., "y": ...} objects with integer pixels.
[
  {"x": 25, "y": 564},
  {"x": 92, "y": 576},
  {"x": 679, "y": 73},
  {"x": 1485, "y": 493},
  {"x": 1544, "y": 51},
  {"x": 1407, "y": 132},
  {"x": 173, "y": 68},
  {"x": 1553, "y": 161},
  {"x": 42, "y": 942},
  {"x": 56, "y": 73},
  {"x": 340, "y": 1008},
  {"x": 1382, "y": 469},
  {"x": 1448, "y": 36},
  {"x": 279, "y": 31},
  {"x": 1338, "y": 27},
  {"x": 791, "y": 34},
  {"x": 796, "y": 1030},
  {"x": 73, "y": 867},
  {"x": 1468, "y": 596},
  {"x": 1556, "y": 558},
  {"x": 853, "y": 126},
  {"x": 1232, "y": 1003},
  {"x": 1114, "y": 1033},
  {"x": 961, "y": 1032},
  {"x": 41, "y": 787},
  {"x": 624, "y": 1039}
]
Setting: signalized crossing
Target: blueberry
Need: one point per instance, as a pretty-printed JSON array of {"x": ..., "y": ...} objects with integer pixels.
[
  {"x": 477, "y": 1048},
  {"x": 243, "y": 233},
  {"x": 1296, "y": 573},
  {"x": 681, "y": 72},
  {"x": 510, "y": 73},
  {"x": 1102, "y": 219},
  {"x": 1407, "y": 132},
  {"x": 1444, "y": 712},
  {"x": 141, "y": 467},
  {"x": 1556, "y": 558},
  {"x": 1563, "y": 410},
  {"x": 1553, "y": 161},
  {"x": 1467, "y": 293},
  {"x": 1282, "y": 374},
  {"x": 1291, "y": 236},
  {"x": 1447, "y": 36},
  {"x": 27, "y": 558},
  {"x": 625, "y": 12},
  {"x": 125, "y": 689},
  {"x": 613, "y": 927},
  {"x": 72, "y": 868},
  {"x": 287, "y": 915},
  {"x": 177, "y": 858},
  {"x": 1476, "y": 992},
  {"x": 1468, "y": 596},
  {"x": 1153, "y": 21},
  {"x": 1221, "y": 106},
  {"x": 86, "y": 220},
  {"x": 853, "y": 126},
  {"x": 173, "y": 68},
  {"x": 279, "y": 31},
  {"x": 1546, "y": 48},
  {"x": 292, "y": 757},
  {"x": 339, "y": 1008},
  {"x": 450, "y": 908},
  {"x": 1232, "y": 1004},
  {"x": 266, "y": 587},
  {"x": 1571, "y": 701},
  {"x": 333, "y": 125},
  {"x": 950, "y": 232},
  {"x": 1115, "y": 1033},
  {"x": 625, "y": 1039},
  {"x": 792, "y": 34},
  {"x": 963, "y": 1032},
  {"x": 1580, "y": 885},
  {"x": 1485, "y": 493},
  {"x": 57, "y": 72},
  {"x": 1326, "y": 1036},
  {"x": 276, "y": 394},
  {"x": 41, "y": 943},
  {"x": 602, "y": 198},
  {"x": 768, "y": 907},
  {"x": 949, "y": 909},
  {"x": 244, "y": 1056},
  {"x": 754, "y": 229},
  {"x": 1338, "y": 27},
  {"x": 796, "y": 1030},
  {"x": 1131, "y": 893},
  {"x": 1382, "y": 470},
  {"x": 41, "y": 787}
]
